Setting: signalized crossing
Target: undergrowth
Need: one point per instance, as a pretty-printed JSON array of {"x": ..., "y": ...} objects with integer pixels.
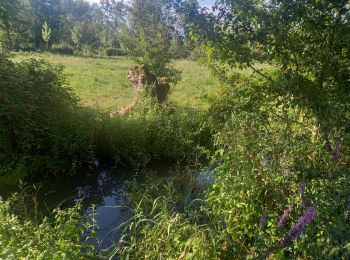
[
  {"x": 45, "y": 130},
  {"x": 24, "y": 234},
  {"x": 281, "y": 188}
]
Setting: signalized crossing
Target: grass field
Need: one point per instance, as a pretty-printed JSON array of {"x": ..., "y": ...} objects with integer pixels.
[{"x": 103, "y": 83}]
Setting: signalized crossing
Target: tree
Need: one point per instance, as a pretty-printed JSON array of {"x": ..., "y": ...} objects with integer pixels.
[
  {"x": 307, "y": 43},
  {"x": 8, "y": 16},
  {"x": 46, "y": 34},
  {"x": 76, "y": 37},
  {"x": 114, "y": 13},
  {"x": 147, "y": 36}
]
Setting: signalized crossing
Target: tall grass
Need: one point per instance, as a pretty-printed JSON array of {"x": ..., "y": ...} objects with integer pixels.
[{"x": 26, "y": 235}]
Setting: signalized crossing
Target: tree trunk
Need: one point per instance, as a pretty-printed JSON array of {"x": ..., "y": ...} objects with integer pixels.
[{"x": 8, "y": 36}]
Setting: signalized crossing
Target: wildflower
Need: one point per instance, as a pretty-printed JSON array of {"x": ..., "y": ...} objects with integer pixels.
[
  {"x": 302, "y": 187},
  {"x": 303, "y": 221},
  {"x": 336, "y": 150},
  {"x": 328, "y": 143},
  {"x": 283, "y": 219},
  {"x": 262, "y": 220},
  {"x": 295, "y": 232}
]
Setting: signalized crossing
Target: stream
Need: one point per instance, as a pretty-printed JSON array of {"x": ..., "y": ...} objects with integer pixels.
[{"x": 104, "y": 186}]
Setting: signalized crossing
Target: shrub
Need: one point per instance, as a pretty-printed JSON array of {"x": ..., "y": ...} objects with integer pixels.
[
  {"x": 28, "y": 49},
  {"x": 44, "y": 130},
  {"x": 271, "y": 156},
  {"x": 62, "y": 49},
  {"x": 114, "y": 52},
  {"x": 151, "y": 132},
  {"x": 88, "y": 50},
  {"x": 278, "y": 190}
]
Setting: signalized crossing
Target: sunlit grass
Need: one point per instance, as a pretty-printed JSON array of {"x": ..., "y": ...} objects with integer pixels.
[{"x": 103, "y": 83}]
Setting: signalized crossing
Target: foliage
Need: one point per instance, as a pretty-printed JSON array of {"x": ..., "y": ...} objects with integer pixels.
[
  {"x": 58, "y": 236},
  {"x": 166, "y": 226},
  {"x": 148, "y": 39},
  {"x": 280, "y": 128},
  {"x": 44, "y": 131},
  {"x": 306, "y": 42},
  {"x": 46, "y": 34},
  {"x": 150, "y": 133},
  {"x": 114, "y": 52},
  {"x": 267, "y": 150},
  {"x": 76, "y": 37},
  {"x": 91, "y": 28},
  {"x": 9, "y": 18},
  {"x": 62, "y": 49}
]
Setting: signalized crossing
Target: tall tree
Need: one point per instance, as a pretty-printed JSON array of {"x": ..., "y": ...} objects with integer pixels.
[
  {"x": 306, "y": 41},
  {"x": 147, "y": 36},
  {"x": 8, "y": 16},
  {"x": 76, "y": 37},
  {"x": 46, "y": 33}
]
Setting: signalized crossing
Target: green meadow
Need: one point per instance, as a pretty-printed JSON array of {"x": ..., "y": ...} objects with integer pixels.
[{"x": 103, "y": 83}]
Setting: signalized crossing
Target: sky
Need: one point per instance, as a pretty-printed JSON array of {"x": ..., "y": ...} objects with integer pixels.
[{"x": 204, "y": 3}]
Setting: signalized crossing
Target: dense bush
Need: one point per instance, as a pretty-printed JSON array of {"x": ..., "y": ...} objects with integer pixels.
[
  {"x": 152, "y": 132},
  {"x": 62, "y": 49},
  {"x": 28, "y": 49},
  {"x": 114, "y": 52},
  {"x": 43, "y": 129},
  {"x": 278, "y": 190},
  {"x": 278, "y": 177}
]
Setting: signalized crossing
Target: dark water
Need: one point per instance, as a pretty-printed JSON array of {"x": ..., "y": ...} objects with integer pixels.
[{"x": 104, "y": 187}]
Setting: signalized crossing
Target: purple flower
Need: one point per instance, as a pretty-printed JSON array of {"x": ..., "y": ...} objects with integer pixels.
[
  {"x": 295, "y": 232},
  {"x": 262, "y": 220},
  {"x": 303, "y": 221},
  {"x": 336, "y": 150},
  {"x": 302, "y": 186},
  {"x": 283, "y": 219},
  {"x": 328, "y": 143}
]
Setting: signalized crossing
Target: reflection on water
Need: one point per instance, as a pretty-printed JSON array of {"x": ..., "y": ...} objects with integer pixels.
[
  {"x": 104, "y": 187},
  {"x": 107, "y": 191}
]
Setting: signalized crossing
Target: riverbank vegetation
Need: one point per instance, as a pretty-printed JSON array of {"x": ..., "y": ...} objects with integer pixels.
[
  {"x": 48, "y": 132},
  {"x": 276, "y": 136},
  {"x": 26, "y": 234}
]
